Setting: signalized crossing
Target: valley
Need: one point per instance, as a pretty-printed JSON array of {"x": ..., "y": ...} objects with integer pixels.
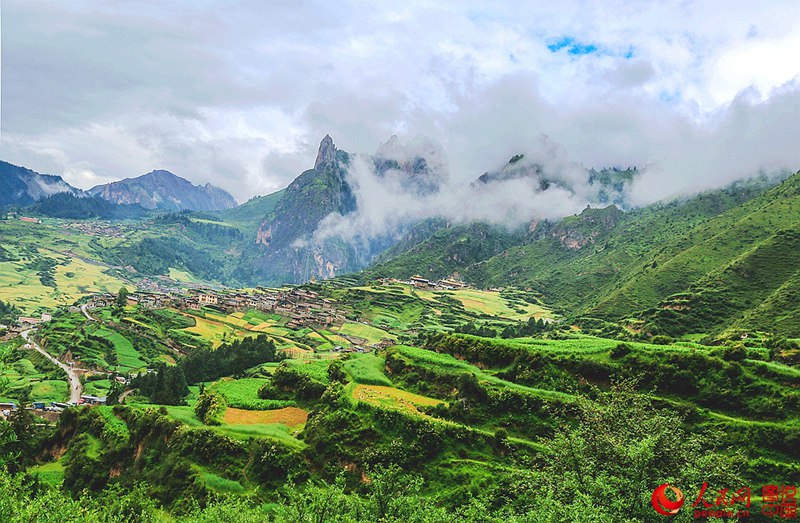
[{"x": 454, "y": 362}]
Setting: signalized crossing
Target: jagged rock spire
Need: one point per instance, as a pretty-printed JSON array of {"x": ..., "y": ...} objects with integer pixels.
[{"x": 327, "y": 153}]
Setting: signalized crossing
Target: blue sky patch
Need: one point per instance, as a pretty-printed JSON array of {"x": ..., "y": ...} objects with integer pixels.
[
  {"x": 572, "y": 46},
  {"x": 576, "y": 48}
]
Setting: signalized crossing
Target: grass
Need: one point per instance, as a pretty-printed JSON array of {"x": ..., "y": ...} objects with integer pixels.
[
  {"x": 50, "y": 390},
  {"x": 217, "y": 483},
  {"x": 317, "y": 369},
  {"x": 114, "y": 427},
  {"x": 243, "y": 394},
  {"x": 367, "y": 369},
  {"x": 184, "y": 414},
  {"x": 448, "y": 361},
  {"x": 128, "y": 358},
  {"x": 50, "y": 473}
]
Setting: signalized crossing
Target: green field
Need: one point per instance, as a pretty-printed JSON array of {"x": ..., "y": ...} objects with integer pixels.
[
  {"x": 243, "y": 394},
  {"x": 367, "y": 369},
  {"x": 367, "y": 332},
  {"x": 128, "y": 358}
]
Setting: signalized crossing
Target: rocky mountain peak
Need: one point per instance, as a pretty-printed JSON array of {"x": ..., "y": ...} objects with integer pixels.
[{"x": 326, "y": 155}]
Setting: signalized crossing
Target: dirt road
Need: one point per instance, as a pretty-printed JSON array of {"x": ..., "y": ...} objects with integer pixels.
[{"x": 75, "y": 387}]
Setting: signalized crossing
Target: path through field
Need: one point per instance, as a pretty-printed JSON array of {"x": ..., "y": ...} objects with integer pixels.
[{"x": 75, "y": 387}]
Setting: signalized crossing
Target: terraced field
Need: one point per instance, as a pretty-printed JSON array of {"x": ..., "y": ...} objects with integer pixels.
[
  {"x": 392, "y": 398},
  {"x": 292, "y": 417}
]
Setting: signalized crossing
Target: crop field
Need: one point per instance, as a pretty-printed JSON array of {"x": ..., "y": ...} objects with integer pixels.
[
  {"x": 49, "y": 390},
  {"x": 488, "y": 302},
  {"x": 392, "y": 398},
  {"x": 18, "y": 374},
  {"x": 214, "y": 331},
  {"x": 367, "y": 369},
  {"x": 22, "y": 281},
  {"x": 128, "y": 358},
  {"x": 292, "y": 417},
  {"x": 182, "y": 276},
  {"x": 97, "y": 387},
  {"x": 278, "y": 431},
  {"x": 317, "y": 369},
  {"x": 448, "y": 361},
  {"x": 367, "y": 332},
  {"x": 243, "y": 394}
]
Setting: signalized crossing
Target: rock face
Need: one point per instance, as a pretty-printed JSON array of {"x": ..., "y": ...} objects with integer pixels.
[
  {"x": 21, "y": 186},
  {"x": 419, "y": 165},
  {"x": 576, "y": 232},
  {"x": 326, "y": 156},
  {"x": 163, "y": 190},
  {"x": 285, "y": 247}
]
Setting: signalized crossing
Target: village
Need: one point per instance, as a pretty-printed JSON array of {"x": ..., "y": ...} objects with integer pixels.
[{"x": 303, "y": 308}]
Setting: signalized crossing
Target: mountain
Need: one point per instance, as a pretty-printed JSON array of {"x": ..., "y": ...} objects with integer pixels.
[
  {"x": 21, "y": 186},
  {"x": 285, "y": 249},
  {"x": 247, "y": 216},
  {"x": 714, "y": 263},
  {"x": 288, "y": 246},
  {"x": 67, "y": 205},
  {"x": 163, "y": 190}
]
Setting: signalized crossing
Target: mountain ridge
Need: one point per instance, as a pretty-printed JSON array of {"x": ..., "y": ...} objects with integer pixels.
[
  {"x": 162, "y": 189},
  {"x": 23, "y": 186}
]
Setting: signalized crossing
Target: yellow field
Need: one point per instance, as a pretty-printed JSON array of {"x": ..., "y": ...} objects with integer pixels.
[
  {"x": 489, "y": 302},
  {"x": 21, "y": 286},
  {"x": 182, "y": 276},
  {"x": 392, "y": 398},
  {"x": 289, "y": 416},
  {"x": 213, "y": 331},
  {"x": 359, "y": 330}
]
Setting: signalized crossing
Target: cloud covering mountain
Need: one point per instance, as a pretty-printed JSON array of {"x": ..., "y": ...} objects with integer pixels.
[{"x": 700, "y": 92}]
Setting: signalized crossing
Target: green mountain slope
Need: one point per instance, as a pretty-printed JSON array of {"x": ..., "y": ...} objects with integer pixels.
[
  {"x": 247, "y": 216},
  {"x": 707, "y": 246},
  {"x": 445, "y": 251},
  {"x": 614, "y": 265}
]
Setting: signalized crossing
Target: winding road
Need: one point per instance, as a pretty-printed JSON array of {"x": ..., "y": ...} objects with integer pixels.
[
  {"x": 86, "y": 313},
  {"x": 75, "y": 387}
]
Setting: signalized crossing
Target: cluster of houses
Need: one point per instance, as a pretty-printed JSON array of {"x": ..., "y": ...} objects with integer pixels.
[
  {"x": 106, "y": 230},
  {"x": 24, "y": 323},
  {"x": 446, "y": 284},
  {"x": 302, "y": 307}
]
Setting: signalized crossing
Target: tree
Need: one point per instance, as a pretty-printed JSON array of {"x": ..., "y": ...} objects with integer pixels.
[
  {"x": 114, "y": 392},
  {"x": 122, "y": 297},
  {"x": 606, "y": 466},
  {"x": 210, "y": 407},
  {"x": 336, "y": 372}
]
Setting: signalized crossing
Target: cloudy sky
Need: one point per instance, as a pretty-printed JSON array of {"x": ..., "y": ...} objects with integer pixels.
[{"x": 239, "y": 94}]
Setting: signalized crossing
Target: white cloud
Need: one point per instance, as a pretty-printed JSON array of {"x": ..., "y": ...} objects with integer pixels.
[{"x": 239, "y": 96}]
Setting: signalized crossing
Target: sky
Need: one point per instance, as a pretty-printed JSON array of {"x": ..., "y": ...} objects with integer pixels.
[{"x": 239, "y": 94}]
